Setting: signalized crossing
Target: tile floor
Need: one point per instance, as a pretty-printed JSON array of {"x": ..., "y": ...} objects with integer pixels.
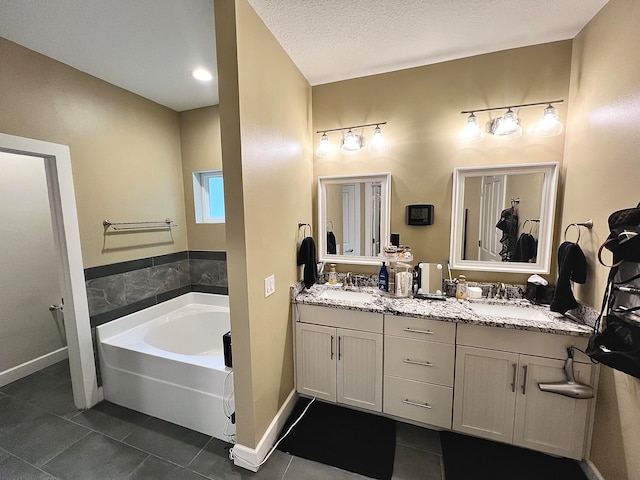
[{"x": 43, "y": 436}]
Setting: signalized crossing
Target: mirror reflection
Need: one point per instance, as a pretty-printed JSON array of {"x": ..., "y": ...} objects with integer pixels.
[
  {"x": 353, "y": 217},
  {"x": 502, "y": 217}
]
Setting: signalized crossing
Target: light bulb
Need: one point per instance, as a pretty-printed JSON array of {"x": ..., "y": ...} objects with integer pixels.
[
  {"x": 471, "y": 133},
  {"x": 550, "y": 124},
  {"x": 351, "y": 143},
  {"x": 202, "y": 74},
  {"x": 325, "y": 149},
  {"x": 509, "y": 126},
  {"x": 377, "y": 143}
]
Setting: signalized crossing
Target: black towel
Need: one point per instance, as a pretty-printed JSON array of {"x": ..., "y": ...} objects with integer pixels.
[
  {"x": 307, "y": 257},
  {"x": 331, "y": 243},
  {"x": 508, "y": 224},
  {"x": 572, "y": 266},
  {"x": 526, "y": 248}
]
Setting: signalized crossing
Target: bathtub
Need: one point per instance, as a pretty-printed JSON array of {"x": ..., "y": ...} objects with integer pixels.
[{"x": 167, "y": 361}]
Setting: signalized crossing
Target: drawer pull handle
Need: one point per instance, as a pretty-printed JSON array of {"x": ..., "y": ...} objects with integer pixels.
[
  {"x": 416, "y": 362},
  {"x": 416, "y": 404},
  {"x": 417, "y": 330}
]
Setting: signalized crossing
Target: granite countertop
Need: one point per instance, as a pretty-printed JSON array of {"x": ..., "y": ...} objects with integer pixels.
[{"x": 449, "y": 310}]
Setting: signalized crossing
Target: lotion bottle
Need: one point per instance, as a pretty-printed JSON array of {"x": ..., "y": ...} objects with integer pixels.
[
  {"x": 333, "y": 276},
  {"x": 461, "y": 288},
  {"x": 383, "y": 278}
]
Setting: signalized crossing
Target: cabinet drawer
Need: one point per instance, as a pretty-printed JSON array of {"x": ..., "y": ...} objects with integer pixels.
[
  {"x": 340, "y": 318},
  {"x": 422, "y": 402},
  {"x": 418, "y": 360},
  {"x": 420, "y": 329}
]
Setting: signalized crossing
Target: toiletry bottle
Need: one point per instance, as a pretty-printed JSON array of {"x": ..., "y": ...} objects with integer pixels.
[
  {"x": 461, "y": 288},
  {"x": 383, "y": 278},
  {"x": 333, "y": 276}
]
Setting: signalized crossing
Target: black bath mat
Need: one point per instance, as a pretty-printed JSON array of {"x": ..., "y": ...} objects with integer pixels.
[
  {"x": 359, "y": 442},
  {"x": 468, "y": 458}
]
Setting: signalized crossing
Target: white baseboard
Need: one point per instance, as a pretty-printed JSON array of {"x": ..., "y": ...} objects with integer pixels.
[
  {"x": 590, "y": 470},
  {"x": 32, "y": 366},
  {"x": 251, "y": 458}
]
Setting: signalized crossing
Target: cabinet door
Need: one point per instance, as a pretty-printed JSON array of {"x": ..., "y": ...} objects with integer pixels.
[
  {"x": 546, "y": 421},
  {"x": 316, "y": 361},
  {"x": 484, "y": 393},
  {"x": 360, "y": 369}
]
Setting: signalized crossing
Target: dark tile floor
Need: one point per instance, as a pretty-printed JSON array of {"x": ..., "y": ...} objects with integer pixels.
[{"x": 43, "y": 436}]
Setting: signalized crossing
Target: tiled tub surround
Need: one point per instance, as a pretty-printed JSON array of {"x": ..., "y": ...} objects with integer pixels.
[
  {"x": 119, "y": 289},
  {"x": 449, "y": 310}
]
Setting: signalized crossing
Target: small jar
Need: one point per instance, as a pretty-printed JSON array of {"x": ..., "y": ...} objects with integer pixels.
[{"x": 333, "y": 276}]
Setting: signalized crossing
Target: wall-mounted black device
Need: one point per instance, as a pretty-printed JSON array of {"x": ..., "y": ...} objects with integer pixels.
[{"x": 420, "y": 214}]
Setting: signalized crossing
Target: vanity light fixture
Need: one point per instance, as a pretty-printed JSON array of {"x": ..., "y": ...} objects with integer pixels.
[
  {"x": 508, "y": 125},
  {"x": 351, "y": 142}
]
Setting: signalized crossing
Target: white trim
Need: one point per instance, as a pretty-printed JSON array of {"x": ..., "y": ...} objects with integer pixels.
[
  {"x": 250, "y": 458},
  {"x": 590, "y": 470},
  {"x": 64, "y": 218},
  {"x": 385, "y": 215},
  {"x": 32, "y": 366},
  {"x": 547, "y": 211}
]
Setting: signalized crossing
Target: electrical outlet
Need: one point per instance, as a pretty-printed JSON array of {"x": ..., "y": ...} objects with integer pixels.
[{"x": 269, "y": 285}]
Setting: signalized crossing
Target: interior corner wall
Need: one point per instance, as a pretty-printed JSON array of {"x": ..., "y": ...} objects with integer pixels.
[
  {"x": 125, "y": 151},
  {"x": 265, "y": 118},
  {"x": 602, "y": 176},
  {"x": 201, "y": 150},
  {"x": 422, "y": 107}
]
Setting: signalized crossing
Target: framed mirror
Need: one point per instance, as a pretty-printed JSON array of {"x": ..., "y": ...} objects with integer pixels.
[
  {"x": 502, "y": 217},
  {"x": 353, "y": 217}
]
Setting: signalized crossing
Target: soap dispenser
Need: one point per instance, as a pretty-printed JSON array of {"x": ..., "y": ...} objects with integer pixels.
[{"x": 333, "y": 276}]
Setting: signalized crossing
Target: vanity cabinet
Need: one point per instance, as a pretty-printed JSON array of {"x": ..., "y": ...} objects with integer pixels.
[
  {"x": 497, "y": 396},
  {"x": 339, "y": 356},
  {"x": 419, "y": 357}
]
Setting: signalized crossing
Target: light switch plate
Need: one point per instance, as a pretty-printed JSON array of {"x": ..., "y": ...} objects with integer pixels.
[{"x": 269, "y": 285}]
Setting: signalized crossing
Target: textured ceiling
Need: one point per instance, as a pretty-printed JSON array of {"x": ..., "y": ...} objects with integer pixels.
[
  {"x": 149, "y": 47},
  {"x": 331, "y": 40}
]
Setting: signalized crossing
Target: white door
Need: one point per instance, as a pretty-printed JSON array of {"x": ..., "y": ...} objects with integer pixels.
[
  {"x": 546, "y": 421},
  {"x": 29, "y": 277},
  {"x": 484, "y": 393},
  {"x": 351, "y": 219},
  {"x": 372, "y": 212},
  {"x": 360, "y": 369},
  {"x": 316, "y": 361},
  {"x": 491, "y": 205}
]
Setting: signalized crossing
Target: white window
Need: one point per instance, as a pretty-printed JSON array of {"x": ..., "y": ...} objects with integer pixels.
[{"x": 208, "y": 192}]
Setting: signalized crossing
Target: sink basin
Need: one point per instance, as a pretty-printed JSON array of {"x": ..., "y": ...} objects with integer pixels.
[
  {"x": 347, "y": 295},
  {"x": 509, "y": 311}
]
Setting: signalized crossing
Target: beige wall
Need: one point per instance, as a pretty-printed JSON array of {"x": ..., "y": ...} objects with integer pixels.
[
  {"x": 422, "y": 107},
  {"x": 125, "y": 151},
  {"x": 602, "y": 176},
  {"x": 201, "y": 150},
  {"x": 29, "y": 273},
  {"x": 265, "y": 121}
]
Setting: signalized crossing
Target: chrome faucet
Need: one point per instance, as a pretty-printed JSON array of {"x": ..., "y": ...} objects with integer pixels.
[
  {"x": 501, "y": 292},
  {"x": 348, "y": 282}
]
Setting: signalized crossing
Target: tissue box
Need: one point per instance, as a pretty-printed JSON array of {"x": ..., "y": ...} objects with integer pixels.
[
  {"x": 540, "y": 294},
  {"x": 474, "y": 292}
]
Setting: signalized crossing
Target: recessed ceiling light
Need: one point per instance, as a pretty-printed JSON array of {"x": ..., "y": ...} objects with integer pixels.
[{"x": 202, "y": 74}]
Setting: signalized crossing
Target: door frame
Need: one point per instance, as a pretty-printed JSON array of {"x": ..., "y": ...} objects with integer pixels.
[{"x": 66, "y": 233}]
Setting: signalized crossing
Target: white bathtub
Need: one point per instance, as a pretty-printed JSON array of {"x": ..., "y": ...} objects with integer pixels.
[{"x": 167, "y": 361}]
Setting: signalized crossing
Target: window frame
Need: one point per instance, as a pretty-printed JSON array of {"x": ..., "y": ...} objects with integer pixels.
[{"x": 201, "y": 195}]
